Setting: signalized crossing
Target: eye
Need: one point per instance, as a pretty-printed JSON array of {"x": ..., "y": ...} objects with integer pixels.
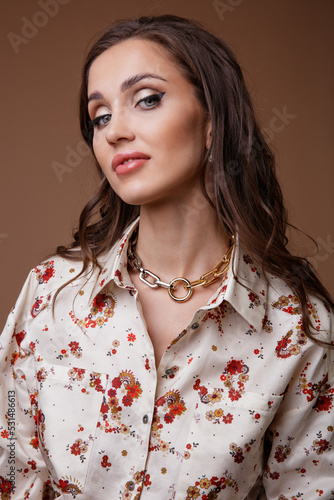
[
  {"x": 100, "y": 121},
  {"x": 151, "y": 101}
]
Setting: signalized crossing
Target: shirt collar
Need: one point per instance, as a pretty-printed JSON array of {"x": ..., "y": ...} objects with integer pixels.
[
  {"x": 246, "y": 287},
  {"x": 114, "y": 264}
]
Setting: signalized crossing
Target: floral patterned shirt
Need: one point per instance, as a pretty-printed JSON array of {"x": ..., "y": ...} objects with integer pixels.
[{"x": 240, "y": 407}]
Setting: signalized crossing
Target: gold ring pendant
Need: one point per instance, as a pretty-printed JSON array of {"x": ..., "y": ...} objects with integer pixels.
[{"x": 186, "y": 285}]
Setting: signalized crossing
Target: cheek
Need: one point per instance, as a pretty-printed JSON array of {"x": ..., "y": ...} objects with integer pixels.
[
  {"x": 183, "y": 133},
  {"x": 98, "y": 145},
  {"x": 102, "y": 155}
]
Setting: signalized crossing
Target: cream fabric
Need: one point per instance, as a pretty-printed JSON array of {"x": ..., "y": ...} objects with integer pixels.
[{"x": 241, "y": 400}]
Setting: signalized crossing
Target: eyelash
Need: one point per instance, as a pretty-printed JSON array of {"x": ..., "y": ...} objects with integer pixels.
[{"x": 156, "y": 98}]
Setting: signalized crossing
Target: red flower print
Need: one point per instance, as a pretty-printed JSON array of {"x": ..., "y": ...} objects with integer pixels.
[
  {"x": 105, "y": 461},
  {"x": 118, "y": 275},
  {"x": 324, "y": 403},
  {"x": 19, "y": 337},
  {"x": 131, "y": 337},
  {"x": 32, "y": 464},
  {"x": 15, "y": 356},
  {"x": 282, "y": 348},
  {"x": 34, "y": 442},
  {"x": 95, "y": 382},
  {"x": 274, "y": 475},
  {"x": 160, "y": 401},
  {"x": 4, "y": 434},
  {"x": 127, "y": 400},
  {"x": 32, "y": 346},
  {"x": 322, "y": 445},
  {"x": 134, "y": 391},
  {"x": 238, "y": 458},
  {"x": 99, "y": 302},
  {"x": 247, "y": 259},
  {"x": 196, "y": 385},
  {"x": 75, "y": 448},
  {"x": 41, "y": 375},
  {"x": 116, "y": 382},
  {"x": 234, "y": 395},
  {"x": 6, "y": 486},
  {"x": 49, "y": 272},
  {"x": 35, "y": 307},
  {"x": 234, "y": 366},
  {"x": 203, "y": 391},
  {"x": 257, "y": 416},
  {"x": 281, "y": 453},
  {"x": 254, "y": 298},
  {"x": 177, "y": 409},
  {"x": 227, "y": 419},
  {"x": 104, "y": 407},
  {"x": 73, "y": 346},
  {"x": 63, "y": 484},
  {"x": 169, "y": 418},
  {"x": 147, "y": 481}
]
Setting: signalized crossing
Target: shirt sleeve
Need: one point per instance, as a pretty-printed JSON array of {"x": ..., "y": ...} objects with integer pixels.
[
  {"x": 301, "y": 439},
  {"x": 22, "y": 468}
]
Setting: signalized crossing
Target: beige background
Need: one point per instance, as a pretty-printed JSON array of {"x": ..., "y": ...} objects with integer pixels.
[{"x": 285, "y": 48}]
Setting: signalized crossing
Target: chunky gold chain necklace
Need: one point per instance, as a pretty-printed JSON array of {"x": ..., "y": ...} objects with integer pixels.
[{"x": 205, "y": 280}]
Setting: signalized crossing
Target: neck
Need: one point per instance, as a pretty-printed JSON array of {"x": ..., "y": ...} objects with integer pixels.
[{"x": 180, "y": 240}]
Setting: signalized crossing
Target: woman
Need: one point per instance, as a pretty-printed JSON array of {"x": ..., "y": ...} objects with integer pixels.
[{"x": 183, "y": 354}]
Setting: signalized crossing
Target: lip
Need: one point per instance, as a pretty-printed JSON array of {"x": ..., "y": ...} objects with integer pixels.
[{"x": 138, "y": 159}]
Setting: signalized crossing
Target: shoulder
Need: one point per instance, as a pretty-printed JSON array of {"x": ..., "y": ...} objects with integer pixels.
[
  {"x": 283, "y": 302},
  {"x": 284, "y": 315},
  {"x": 41, "y": 285},
  {"x": 55, "y": 271},
  {"x": 280, "y": 303}
]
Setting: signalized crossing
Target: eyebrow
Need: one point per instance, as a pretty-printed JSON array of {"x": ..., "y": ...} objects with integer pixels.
[{"x": 127, "y": 84}]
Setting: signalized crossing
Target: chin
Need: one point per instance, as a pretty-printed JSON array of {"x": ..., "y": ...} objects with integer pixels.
[
  {"x": 139, "y": 193},
  {"x": 135, "y": 198}
]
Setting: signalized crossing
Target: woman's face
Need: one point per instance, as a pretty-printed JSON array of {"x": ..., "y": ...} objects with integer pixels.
[{"x": 150, "y": 131}]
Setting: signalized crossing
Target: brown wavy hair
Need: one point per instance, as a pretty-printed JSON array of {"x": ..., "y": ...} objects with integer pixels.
[{"x": 245, "y": 191}]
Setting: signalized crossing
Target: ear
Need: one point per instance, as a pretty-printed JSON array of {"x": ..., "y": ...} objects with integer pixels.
[{"x": 208, "y": 131}]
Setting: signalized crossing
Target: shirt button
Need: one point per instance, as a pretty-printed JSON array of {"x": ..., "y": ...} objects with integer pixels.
[
  {"x": 131, "y": 486},
  {"x": 194, "y": 326},
  {"x": 145, "y": 419}
]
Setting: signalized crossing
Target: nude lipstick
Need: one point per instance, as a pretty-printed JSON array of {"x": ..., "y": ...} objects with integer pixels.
[{"x": 124, "y": 163}]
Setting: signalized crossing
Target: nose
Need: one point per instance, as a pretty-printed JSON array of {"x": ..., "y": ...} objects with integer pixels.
[{"x": 119, "y": 128}]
